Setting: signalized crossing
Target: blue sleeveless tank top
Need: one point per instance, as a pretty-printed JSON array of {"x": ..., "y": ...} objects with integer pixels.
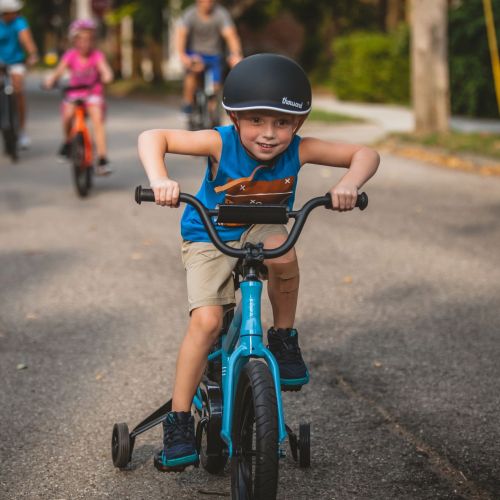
[{"x": 241, "y": 179}]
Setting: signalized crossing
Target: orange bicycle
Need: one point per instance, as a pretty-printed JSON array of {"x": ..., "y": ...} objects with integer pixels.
[{"x": 81, "y": 153}]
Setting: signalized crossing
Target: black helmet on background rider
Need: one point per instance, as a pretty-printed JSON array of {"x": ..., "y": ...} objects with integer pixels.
[{"x": 267, "y": 81}]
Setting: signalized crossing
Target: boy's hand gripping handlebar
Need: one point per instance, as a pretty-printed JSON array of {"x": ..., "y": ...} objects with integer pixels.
[{"x": 251, "y": 214}]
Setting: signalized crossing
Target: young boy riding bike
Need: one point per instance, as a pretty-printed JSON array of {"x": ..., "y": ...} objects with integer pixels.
[
  {"x": 255, "y": 160},
  {"x": 87, "y": 66},
  {"x": 199, "y": 36}
]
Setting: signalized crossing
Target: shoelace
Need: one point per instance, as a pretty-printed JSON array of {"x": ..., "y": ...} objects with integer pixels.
[
  {"x": 176, "y": 430},
  {"x": 286, "y": 351}
]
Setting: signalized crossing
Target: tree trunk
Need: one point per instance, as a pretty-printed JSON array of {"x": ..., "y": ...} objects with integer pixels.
[
  {"x": 155, "y": 52},
  {"x": 429, "y": 52},
  {"x": 394, "y": 14}
]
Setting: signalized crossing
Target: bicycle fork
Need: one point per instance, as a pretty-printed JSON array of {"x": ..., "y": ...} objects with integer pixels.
[{"x": 247, "y": 322}]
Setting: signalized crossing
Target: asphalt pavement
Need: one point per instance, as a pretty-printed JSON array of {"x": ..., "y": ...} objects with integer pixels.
[{"x": 399, "y": 320}]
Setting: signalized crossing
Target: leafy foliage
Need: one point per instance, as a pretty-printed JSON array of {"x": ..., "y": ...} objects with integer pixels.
[
  {"x": 471, "y": 76},
  {"x": 372, "y": 67}
]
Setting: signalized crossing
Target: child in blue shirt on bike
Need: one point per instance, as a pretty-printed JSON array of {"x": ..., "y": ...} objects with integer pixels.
[
  {"x": 255, "y": 160},
  {"x": 17, "y": 49}
]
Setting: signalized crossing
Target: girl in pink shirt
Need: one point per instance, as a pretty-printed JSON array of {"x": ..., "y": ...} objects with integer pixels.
[{"x": 87, "y": 66}]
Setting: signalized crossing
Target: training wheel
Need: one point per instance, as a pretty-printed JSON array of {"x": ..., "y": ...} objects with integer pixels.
[
  {"x": 304, "y": 445},
  {"x": 121, "y": 448}
]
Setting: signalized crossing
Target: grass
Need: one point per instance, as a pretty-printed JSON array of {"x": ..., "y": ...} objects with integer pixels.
[
  {"x": 140, "y": 88},
  {"x": 483, "y": 144},
  {"x": 319, "y": 115}
]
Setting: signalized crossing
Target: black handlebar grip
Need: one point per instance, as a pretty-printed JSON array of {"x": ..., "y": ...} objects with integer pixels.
[
  {"x": 361, "y": 202},
  {"x": 143, "y": 194}
]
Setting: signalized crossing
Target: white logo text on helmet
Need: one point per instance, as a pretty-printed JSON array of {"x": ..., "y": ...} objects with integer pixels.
[{"x": 287, "y": 101}]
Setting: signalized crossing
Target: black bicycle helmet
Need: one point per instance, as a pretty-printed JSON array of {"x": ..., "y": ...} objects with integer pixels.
[{"x": 267, "y": 81}]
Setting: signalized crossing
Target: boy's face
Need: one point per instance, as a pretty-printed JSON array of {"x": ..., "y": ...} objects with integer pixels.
[
  {"x": 266, "y": 134},
  {"x": 206, "y": 6}
]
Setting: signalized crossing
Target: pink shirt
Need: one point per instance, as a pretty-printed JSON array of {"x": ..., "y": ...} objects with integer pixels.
[{"x": 84, "y": 71}]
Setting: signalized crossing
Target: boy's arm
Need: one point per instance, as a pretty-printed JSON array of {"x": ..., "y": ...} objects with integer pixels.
[
  {"x": 181, "y": 36},
  {"x": 154, "y": 144},
  {"x": 362, "y": 163},
  {"x": 232, "y": 39},
  {"x": 29, "y": 46}
]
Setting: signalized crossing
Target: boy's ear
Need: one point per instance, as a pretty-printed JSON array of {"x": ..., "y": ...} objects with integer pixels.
[
  {"x": 300, "y": 122},
  {"x": 234, "y": 119}
]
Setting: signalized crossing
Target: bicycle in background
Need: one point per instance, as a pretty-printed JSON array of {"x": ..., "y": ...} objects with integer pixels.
[
  {"x": 81, "y": 151},
  {"x": 206, "y": 112}
]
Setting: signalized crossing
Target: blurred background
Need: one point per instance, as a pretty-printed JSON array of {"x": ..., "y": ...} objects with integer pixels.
[{"x": 357, "y": 49}]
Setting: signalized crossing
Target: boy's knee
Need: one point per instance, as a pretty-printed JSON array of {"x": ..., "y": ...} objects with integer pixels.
[
  {"x": 287, "y": 273},
  {"x": 207, "y": 320}
]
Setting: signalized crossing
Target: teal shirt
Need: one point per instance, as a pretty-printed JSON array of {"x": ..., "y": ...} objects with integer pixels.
[
  {"x": 241, "y": 179},
  {"x": 11, "y": 50}
]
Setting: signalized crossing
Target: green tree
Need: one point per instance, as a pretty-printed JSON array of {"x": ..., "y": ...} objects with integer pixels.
[{"x": 472, "y": 85}]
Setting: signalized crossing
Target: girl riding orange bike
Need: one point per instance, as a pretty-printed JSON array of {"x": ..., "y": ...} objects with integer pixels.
[{"x": 88, "y": 68}]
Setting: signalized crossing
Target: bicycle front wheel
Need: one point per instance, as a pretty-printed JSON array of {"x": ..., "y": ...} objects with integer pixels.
[
  {"x": 82, "y": 173},
  {"x": 254, "y": 466}
]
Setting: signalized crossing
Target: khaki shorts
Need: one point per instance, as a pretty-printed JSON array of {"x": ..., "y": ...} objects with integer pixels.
[{"x": 209, "y": 271}]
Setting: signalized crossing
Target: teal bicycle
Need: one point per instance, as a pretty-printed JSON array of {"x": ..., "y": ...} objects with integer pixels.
[{"x": 238, "y": 407}]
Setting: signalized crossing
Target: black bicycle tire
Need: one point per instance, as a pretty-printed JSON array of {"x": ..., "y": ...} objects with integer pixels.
[
  {"x": 255, "y": 404},
  {"x": 10, "y": 144},
  {"x": 216, "y": 114},
  {"x": 81, "y": 173},
  {"x": 212, "y": 464},
  {"x": 10, "y": 134}
]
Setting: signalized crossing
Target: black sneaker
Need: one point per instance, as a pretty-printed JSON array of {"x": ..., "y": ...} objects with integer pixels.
[
  {"x": 65, "y": 151},
  {"x": 103, "y": 166},
  {"x": 284, "y": 345},
  {"x": 179, "y": 443}
]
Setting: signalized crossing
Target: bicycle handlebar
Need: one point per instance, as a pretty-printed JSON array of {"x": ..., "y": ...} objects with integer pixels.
[{"x": 276, "y": 213}]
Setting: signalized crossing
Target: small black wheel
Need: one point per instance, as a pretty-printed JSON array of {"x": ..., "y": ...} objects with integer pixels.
[
  {"x": 213, "y": 463},
  {"x": 121, "y": 448},
  {"x": 304, "y": 445}
]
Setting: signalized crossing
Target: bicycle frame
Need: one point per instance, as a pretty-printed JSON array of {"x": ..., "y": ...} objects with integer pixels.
[
  {"x": 242, "y": 342},
  {"x": 80, "y": 126}
]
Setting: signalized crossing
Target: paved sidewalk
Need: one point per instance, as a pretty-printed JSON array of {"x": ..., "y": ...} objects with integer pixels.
[{"x": 392, "y": 118}]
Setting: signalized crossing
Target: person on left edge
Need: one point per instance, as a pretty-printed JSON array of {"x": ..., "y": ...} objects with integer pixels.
[{"x": 15, "y": 42}]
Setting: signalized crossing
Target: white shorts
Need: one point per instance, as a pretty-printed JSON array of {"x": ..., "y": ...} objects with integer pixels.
[{"x": 17, "y": 69}]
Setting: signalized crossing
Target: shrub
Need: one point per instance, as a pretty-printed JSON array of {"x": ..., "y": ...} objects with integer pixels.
[{"x": 372, "y": 67}]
